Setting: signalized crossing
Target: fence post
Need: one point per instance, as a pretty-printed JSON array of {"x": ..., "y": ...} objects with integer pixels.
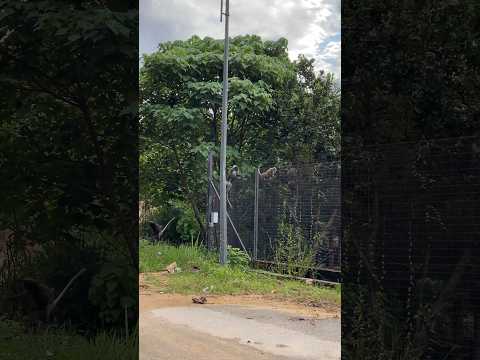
[
  {"x": 210, "y": 202},
  {"x": 255, "y": 215}
]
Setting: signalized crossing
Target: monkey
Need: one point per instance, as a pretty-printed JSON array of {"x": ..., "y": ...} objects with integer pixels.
[
  {"x": 323, "y": 246},
  {"x": 6, "y": 36},
  {"x": 228, "y": 185},
  {"x": 316, "y": 170},
  {"x": 232, "y": 176},
  {"x": 292, "y": 179},
  {"x": 292, "y": 202},
  {"x": 41, "y": 296},
  {"x": 158, "y": 230},
  {"x": 34, "y": 295},
  {"x": 234, "y": 172},
  {"x": 269, "y": 174}
]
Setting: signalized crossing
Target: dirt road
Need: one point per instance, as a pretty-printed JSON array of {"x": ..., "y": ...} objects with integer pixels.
[{"x": 235, "y": 328}]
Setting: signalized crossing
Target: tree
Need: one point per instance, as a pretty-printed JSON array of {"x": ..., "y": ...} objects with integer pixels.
[
  {"x": 68, "y": 110},
  {"x": 275, "y": 106}
]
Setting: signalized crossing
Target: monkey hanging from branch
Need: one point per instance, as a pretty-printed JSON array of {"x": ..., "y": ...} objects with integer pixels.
[{"x": 158, "y": 230}]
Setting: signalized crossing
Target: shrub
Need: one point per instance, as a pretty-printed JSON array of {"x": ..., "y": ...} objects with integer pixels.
[
  {"x": 293, "y": 255},
  {"x": 237, "y": 257}
]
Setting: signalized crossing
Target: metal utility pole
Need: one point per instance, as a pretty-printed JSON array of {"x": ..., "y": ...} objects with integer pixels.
[
  {"x": 223, "y": 146},
  {"x": 210, "y": 223},
  {"x": 255, "y": 214}
]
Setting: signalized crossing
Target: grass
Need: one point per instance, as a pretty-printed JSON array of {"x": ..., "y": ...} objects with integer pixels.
[
  {"x": 57, "y": 344},
  {"x": 222, "y": 280}
]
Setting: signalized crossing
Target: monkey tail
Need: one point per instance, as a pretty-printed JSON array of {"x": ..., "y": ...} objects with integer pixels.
[
  {"x": 54, "y": 303},
  {"x": 165, "y": 227},
  {"x": 169, "y": 221}
]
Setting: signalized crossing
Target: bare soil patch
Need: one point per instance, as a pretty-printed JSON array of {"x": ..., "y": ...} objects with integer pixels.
[{"x": 152, "y": 298}]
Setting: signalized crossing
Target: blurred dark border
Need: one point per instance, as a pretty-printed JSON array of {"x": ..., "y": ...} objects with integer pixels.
[
  {"x": 69, "y": 177},
  {"x": 410, "y": 179}
]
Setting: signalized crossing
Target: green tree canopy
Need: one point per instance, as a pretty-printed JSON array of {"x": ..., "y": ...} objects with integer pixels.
[{"x": 279, "y": 111}]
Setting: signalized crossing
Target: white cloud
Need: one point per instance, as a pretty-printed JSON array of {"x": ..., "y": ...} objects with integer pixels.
[
  {"x": 330, "y": 58},
  {"x": 312, "y": 27}
]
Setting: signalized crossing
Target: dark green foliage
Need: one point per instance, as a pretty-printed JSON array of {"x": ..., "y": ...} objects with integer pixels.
[
  {"x": 415, "y": 69},
  {"x": 68, "y": 155},
  {"x": 411, "y": 73},
  {"x": 113, "y": 292},
  {"x": 17, "y": 343}
]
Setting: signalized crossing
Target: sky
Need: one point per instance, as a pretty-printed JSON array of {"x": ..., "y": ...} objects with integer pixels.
[{"x": 312, "y": 27}]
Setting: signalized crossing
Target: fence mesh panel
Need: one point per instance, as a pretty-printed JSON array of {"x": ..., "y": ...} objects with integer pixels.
[
  {"x": 413, "y": 209},
  {"x": 298, "y": 216},
  {"x": 299, "y": 210}
]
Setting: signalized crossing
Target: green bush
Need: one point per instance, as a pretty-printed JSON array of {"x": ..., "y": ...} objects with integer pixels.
[
  {"x": 184, "y": 229},
  {"x": 187, "y": 226},
  {"x": 238, "y": 257},
  {"x": 111, "y": 293},
  {"x": 293, "y": 255}
]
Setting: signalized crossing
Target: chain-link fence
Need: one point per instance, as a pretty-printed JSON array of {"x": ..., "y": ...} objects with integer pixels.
[
  {"x": 411, "y": 216},
  {"x": 145, "y": 212},
  {"x": 286, "y": 218}
]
